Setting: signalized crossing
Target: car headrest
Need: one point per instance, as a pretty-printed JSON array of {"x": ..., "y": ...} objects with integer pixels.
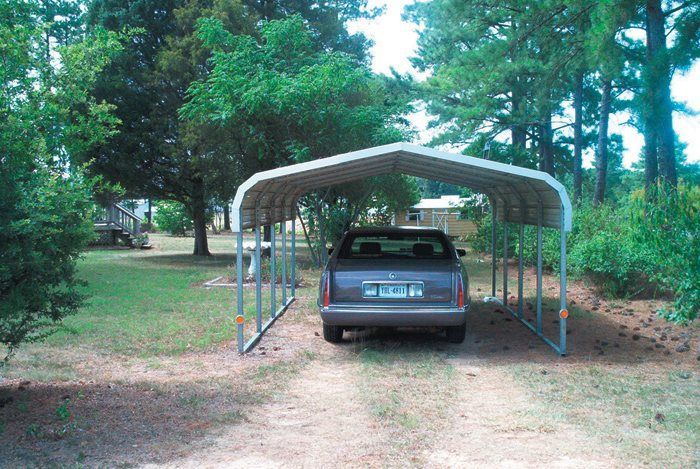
[
  {"x": 423, "y": 250},
  {"x": 371, "y": 248}
]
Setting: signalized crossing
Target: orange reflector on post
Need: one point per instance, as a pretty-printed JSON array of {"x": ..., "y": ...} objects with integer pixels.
[
  {"x": 563, "y": 314},
  {"x": 239, "y": 319}
]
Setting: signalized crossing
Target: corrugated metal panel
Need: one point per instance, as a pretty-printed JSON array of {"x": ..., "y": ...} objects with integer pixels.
[{"x": 272, "y": 194}]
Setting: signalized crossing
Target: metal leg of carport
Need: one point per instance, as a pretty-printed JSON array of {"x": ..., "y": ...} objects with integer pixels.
[
  {"x": 275, "y": 312},
  {"x": 563, "y": 312}
]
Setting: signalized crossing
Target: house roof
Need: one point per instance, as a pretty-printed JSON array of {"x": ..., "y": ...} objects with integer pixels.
[
  {"x": 444, "y": 202},
  {"x": 270, "y": 196}
]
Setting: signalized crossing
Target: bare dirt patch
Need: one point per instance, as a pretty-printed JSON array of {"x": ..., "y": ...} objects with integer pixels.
[
  {"x": 320, "y": 422},
  {"x": 492, "y": 425}
]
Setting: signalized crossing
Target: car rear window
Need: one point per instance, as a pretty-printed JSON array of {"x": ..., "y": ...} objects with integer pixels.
[{"x": 395, "y": 245}]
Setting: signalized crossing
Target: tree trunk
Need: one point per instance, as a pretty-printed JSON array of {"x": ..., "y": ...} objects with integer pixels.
[
  {"x": 651, "y": 163},
  {"x": 199, "y": 217},
  {"x": 659, "y": 83},
  {"x": 578, "y": 138},
  {"x": 519, "y": 137},
  {"x": 323, "y": 254},
  {"x": 267, "y": 234},
  {"x": 227, "y": 217},
  {"x": 517, "y": 132},
  {"x": 314, "y": 259},
  {"x": 547, "y": 145},
  {"x": 540, "y": 148},
  {"x": 601, "y": 159}
]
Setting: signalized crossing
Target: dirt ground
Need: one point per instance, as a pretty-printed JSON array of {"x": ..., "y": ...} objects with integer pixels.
[{"x": 381, "y": 399}]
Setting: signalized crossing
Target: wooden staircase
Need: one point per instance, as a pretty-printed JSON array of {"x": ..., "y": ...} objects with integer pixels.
[{"x": 114, "y": 223}]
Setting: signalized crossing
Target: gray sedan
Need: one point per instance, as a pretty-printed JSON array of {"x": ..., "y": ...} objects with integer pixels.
[{"x": 394, "y": 276}]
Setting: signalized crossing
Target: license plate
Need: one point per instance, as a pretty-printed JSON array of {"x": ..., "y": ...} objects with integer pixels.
[{"x": 393, "y": 290}]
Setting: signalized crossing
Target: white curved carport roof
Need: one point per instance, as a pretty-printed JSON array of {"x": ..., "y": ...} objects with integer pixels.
[{"x": 273, "y": 194}]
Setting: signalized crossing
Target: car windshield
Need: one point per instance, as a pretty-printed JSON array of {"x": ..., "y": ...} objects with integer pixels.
[{"x": 395, "y": 245}]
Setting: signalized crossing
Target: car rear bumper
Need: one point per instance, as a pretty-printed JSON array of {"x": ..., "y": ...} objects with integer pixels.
[{"x": 397, "y": 317}]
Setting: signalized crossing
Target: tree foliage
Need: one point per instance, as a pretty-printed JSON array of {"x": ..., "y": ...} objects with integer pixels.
[
  {"x": 516, "y": 67},
  {"x": 294, "y": 103},
  {"x": 46, "y": 117},
  {"x": 159, "y": 155},
  {"x": 172, "y": 217}
]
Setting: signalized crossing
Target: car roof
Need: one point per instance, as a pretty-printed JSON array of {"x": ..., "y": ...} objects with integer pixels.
[{"x": 395, "y": 230}]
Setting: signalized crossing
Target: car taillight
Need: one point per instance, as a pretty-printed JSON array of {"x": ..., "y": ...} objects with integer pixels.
[
  {"x": 326, "y": 292},
  {"x": 460, "y": 292}
]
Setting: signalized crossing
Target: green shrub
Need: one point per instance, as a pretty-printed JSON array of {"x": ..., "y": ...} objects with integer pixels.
[
  {"x": 670, "y": 228},
  {"x": 481, "y": 242},
  {"x": 604, "y": 248},
  {"x": 171, "y": 217},
  {"x": 45, "y": 225},
  {"x": 635, "y": 248}
]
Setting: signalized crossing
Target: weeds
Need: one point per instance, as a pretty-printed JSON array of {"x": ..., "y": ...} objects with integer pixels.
[
  {"x": 32, "y": 430},
  {"x": 62, "y": 411}
]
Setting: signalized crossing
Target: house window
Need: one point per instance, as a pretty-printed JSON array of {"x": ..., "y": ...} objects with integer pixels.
[{"x": 415, "y": 215}]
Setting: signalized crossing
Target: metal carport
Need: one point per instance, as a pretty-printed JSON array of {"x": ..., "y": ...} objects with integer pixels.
[{"x": 517, "y": 195}]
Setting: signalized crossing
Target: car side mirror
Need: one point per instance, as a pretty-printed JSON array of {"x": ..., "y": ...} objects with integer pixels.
[
  {"x": 461, "y": 252},
  {"x": 330, "y": 251}
]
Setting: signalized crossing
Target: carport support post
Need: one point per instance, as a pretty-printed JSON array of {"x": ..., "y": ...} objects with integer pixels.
[
  {"x": 520, "y": 261},
  {"x": 493, "y": 248},
  {"x": 505, "y": 257},
  {"x": 239, "y": 277},
  {"x": 562, "y": 284},
  {"x": 258, "y": 291},
  {"x": 273, "y": 271},
  {"x": 283, "y": 226},
  {"x": 293, "y": 259},
  {"x": 539, "y": 267}
]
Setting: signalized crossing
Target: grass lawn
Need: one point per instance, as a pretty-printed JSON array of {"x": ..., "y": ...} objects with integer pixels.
[{"x": 152, "y": 302}]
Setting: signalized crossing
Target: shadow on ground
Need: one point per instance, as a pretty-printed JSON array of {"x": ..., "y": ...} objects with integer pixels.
[
  {"x": 492, "y": 332},
  {"x": 129, "y": 423}
]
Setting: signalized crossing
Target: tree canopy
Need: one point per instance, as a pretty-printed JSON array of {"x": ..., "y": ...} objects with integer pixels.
[
  {"x": 157, "y": 154},
  {"x": 542, "y": 71},
  {"x": 47, "y": 118}
]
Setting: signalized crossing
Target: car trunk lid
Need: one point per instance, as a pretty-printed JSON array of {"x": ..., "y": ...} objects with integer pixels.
[{"x": 437, "y": 276}]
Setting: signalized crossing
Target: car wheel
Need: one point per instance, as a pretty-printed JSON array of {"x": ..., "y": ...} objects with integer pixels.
[
  {"x": 456, "y": 334},
  {"x": 333, "y": 333}
]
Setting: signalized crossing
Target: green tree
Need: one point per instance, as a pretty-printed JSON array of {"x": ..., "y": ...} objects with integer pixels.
[
  {"x": 294, "y": 103},
  {"x": 499, "y": 68},
  {"x": 157, "y": 154},
  {"x": 660, "y": 64},
  {"x": 172, "y": 217},
  {"x": 47, "y": 117}
]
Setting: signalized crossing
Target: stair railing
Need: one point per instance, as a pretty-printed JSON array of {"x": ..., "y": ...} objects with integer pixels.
[{"x": 120, "y": 217}]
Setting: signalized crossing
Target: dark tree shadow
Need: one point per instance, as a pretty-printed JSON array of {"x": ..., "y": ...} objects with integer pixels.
[
  {"x": 493, "y": 333},
  {"x": 108, "y": 424}
]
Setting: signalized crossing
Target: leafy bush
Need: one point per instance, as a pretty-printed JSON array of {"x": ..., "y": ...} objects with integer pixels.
[
  {"x": 172, "y": 218},
  {"x": 48, "y": 120},
  {"x": 604, "y": 248},
  {"x": 481, "y": 241},
  {"x": 140, "y": 240},
  {"x": 632, "y": 249},
  {"x": 44, "y": 227},
  {"x": 670, "y": 228}
]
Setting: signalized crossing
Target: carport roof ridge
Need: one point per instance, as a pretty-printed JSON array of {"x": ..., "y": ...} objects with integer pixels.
[{"x": 270, "y": 196}]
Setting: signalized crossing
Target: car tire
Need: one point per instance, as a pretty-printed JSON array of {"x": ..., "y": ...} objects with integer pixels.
[
  {"x": 333, "y": 334},
  {"x": 456, "y": 334}
]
